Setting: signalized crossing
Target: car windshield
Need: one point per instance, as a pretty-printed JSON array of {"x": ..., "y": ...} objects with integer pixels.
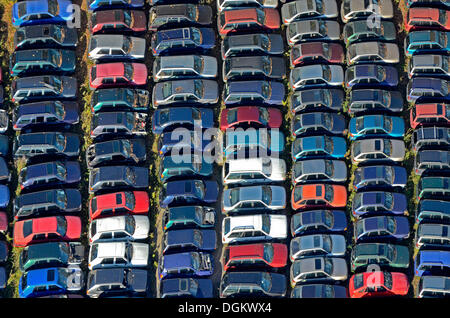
[
  {"x": 58, "y": 33},
  {"x": 328, "y": 268},
  {"x": 327, "y": 244},
  {"x": 265, "y": 223},
  {"x": 128, "y": 71},
  {"x": 232, "y": 115},
  {"x": 268, "y": 253},
  {"x": 192, "y": 12},
  {"x": 386, "y": 98},
  {"x": 127, "y": 18},
  {"x": 359, "y": 123},
  {"x": 388, "y": 173},
  {"x": 381, "y": 74},
  {"x": 387, "y": 124},
  {"x": 196, "y": 36},
  {"x": 59, "y": 110},
  {"x": 358, "y": 281},
  {"x": 130, "y": 175},
  {"x": 164, "y": 116},
  {"x": 326, "y": 72},
  {"x": 55, "y": 57},
  {"x": 130, "y": 224},
  {"x": 53, "y": 7},
  {"x": 267, "y": 65},
  {"x": 129, "y": 200},
  {"x": 329, "y": 193},
  {"x": 390, "y": 253},
  {"x": 127, "y": 148},
  {"x": 391, "y": 226},
  {"x": 329, "y": 168},
  {"x": 60, "y": 142},
  {"x": 234, "y": 196},
  {"x": 328, "y": 218},
  {"x": 263, "y": 115},
  {"x": 198, "y": 88},
  {"x": 387, "y": 280},
  {"x": 195, "y": 261},
  {"x": 198, "y": 64},
  {"x": 199, "y": 189},
  {"x": 129, "y": 252},
  {"x": 266, "y": 89},
  {"x": 265, "y": 42},
  {"x": 61, "y": 198},
  {"x": 389, "y": 200},
  {"x": 61, "y": 170},
  {"x": 198, "y": 240},
  {"x": 387, "y": 147},
  {"x": 267, "y": 195},
  {"x": 260, "y": 16},
  {"x": 127, "y": 45},
  {"x": 328, "y": 144},
  {"x": 266, "y": 282},
  {"x": 61, "y": 225}
]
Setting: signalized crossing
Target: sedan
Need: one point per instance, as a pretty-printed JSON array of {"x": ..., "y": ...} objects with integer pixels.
[
  {"x": 317, "y": 245},
  {"x": 362, "y": 100},
  {"x": 117, "y": 74},
  {"x": 372, "y": 52},
  {"x": 361, "y": 31},
  {"x": 379, "y": 202},
  {"x": 302, "y": 9},
  {"x": 377, "y": 228},
  {"x": 379, "y": 176},
  {"x": 264, "y": 92},
  {"x": 319, "y": 170},
  {"x": 115, "y": 177},
  {"x": 49, "y": 174},
  {"x": 310, "y": 52},
  {"x": 376, "y": 125},
  {"x": 32, "y": 12},
  {"x": 250, "y": 199},
  {"x": 182, "y": 40},
  {"x": 312, "y": 30},
  {"x": 253, "y": 44},
  {"x": 420, "y": 89},
  {"x": 319, "y": 75},
  {"x": 378, "y": 284},
  {"x": 319, "y": 291},
  {"x": 318, "y": 221},
  {"x": 165, "y": 16},
  {"x": 383, "y": 254},
  {"x": 186, "y": 264},
  {"x": 429, "y": 65},
  {"x": 250, "y": 115},
  {"x": 167, "y": 119},
  {"x": 104, "y": 47},
  {"x": 426, "y": 18},
  {"x": 186, "y": 288},
  {"x": 230, "y": 21},
  {"x": 318, "y": 146},
  {"x": 378, "y": 149},
  {"x": 318, "y": 196},
  {"x": 188, "y": 240},
  {"x": 117, "y": 203},
  {"x": 253, "y": 284},
  {"x": 175, "y": 193},
  {"x": 315, "y": 122},
  {"x": 317, "y": 98},
  {"x": 371, "y": 75},
  {"x": 318, "y": 269},
  {"x": 185, "y": 92},
  {"x": 355, "y": 9},
  {"x": 118, "y": 21}
]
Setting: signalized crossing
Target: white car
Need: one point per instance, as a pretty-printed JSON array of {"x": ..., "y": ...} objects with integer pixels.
[
  {"x": 119, "y": 228},
  {"x": 118, "y": 254},
  {"x": 248, "y": 199},
  {"x": 249, "y": 228},
  {"x": 253, "y": 170},
  {"x": 116, "y": 46}
]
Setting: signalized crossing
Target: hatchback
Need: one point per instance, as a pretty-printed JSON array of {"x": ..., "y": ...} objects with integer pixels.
[
  {"x": 184, "y": 240},
  {"x": 128, "y": 99},
  {"x": 253, "y": 116},
  {"x": 118, "y": 254},
  {"x": 319, "y": 170},
  {"x": 360, "y": 30},
  {"x": 118, "y": 21},
  {"x": 318, "y": 196},
  {"x": 195, "y": 91},
  {"x": 189, "y": 217},
  {"x": 116, "y": 151},
  {"x": 433, "y": 211},
  {"x": 186, "y": 264},
  {"x": 319, "y": 146},
  {"x": 253, "y": 67},
  {"x": 423, "y": 88},
  {"x": 254, "y": 44},
  {"x": 355, "y": 9},
  {"x": 167, "y": 119},
  {"x": 432, "y": 161},
  {"x": 118, "y": 123},
  {"x": 426, "y": 137},
  {"x": 362, "y": 100},
  {"x": 316, "y": 122},
  {"x": 376, "y": 125},
  {"x": 311, "y": 52},
  {"x": 32, "y": 12},
  {"x": 378, "y": 149},
  {"x": 249, "y": 199},
  {"x": 426, "y": 18},
  {"x": 317, "y": 245},
  {"x": 47, "y": 35},
  {"x": 119, "y": 228},
  {"x": 379, "y": 176},
  {"x": 118, "y": 203},
  {"x": 117, "y": 281},
  {"x": 369, "y": 203},
  {"x": 38, "y": 61},
  {"x": 364, "y": 255},
  {"x": 329, "y": 99},
  {"x": 432, "y": 235},
  {"x": 433, "y": 287},
  {"x": 184, "y": 166},
  {"x": 377, "y": 228},
  {"x": 318, "y": 269},
  {"x": 433, "y": 187},
  {"x": 372, "y": 52},
  {"x": 116, "y": 177},
  {"x": 300, "y": 9},
  {"x": 115, "y": 46},
  {"x": 49, "y": 174},
  {"x": 253, "y": 170},
  {"x": 430, "y": 114},
  {"x": 378, "y": 284},
  {"x": 429, "y": 65},
  {"x": 372, "y": 75},
  {"x": 253, "y": 92},
  {"x": 318, "y": 75},
  {"x": 431, "y": 41},
  {"x": 177, "y": 193},
  {"x": 186, "y": 287},
  {"x": 431, "y": 262}
]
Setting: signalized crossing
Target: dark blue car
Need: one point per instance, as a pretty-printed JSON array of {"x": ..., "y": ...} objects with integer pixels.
[
  {"x": 189, "y": 264},
  {"x": 375, "y": 202},
  {"x": 381, "y": 227},
  {"x": 32, "y": 12},
  {"x": 188, "y": 240},
  {"x": 362, "y": 100},
  {"x": 188, "y": 192},
  {"x": 186, "y": 288},
  {"x": 432, "y": 262},
  {"x": 371, "y": 75},
  {"x": 421, "y": 88},
  {"x": 253, "y": 92},
  {"x": 318, "y": 221},
  {"x": 182, "y": 40},
  {"x": 50, "y": 174},
  {"x": 110, "y": 4},
  {"x": 379, "y": 176},
  {"x": 4, "y": 196},
  {"x": 169, "y": 141},
  {"x": 433, "y": 211},
  {"x": 170, "y": 118}
]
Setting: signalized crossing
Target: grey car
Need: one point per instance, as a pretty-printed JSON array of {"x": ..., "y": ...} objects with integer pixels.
[
  {"x": 38, "y": 88},
  {"x": 318, "y": 269},
  {"x": 184, "y": 67},
  {"x": 250, "y": 44},
  {"x": 253, "y": 66},
  {"x": 361, "y": 31},
  {"x": 354, "y": 9},
  {"x": 316, "y": 76},
  {"x": 318, "y": 121},
  {"x": 249, "y": 199},
  {"x": 312, "y": 30},
  {"x": 429, "y": 65},
  {"x": 185, "y": 91},
  {"x": 319, "y": 170},
  {"x": 378, "y": 149},
  {"x": 306, "y": 9},
  {"x": 317, "y": 245},
  {"x": 373, "y": 52},
  {"x": 116, "y": 46},
  {"x": 124, "y": 123}
]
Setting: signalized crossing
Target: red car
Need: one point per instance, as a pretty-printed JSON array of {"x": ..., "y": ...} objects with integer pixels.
[
  {"x": 117, "y": 74},
  {"x": 272, "y": 255},
  {"x": 426, "y": 18},
  {"x": 248, "y": 19},
  {"x": 318, "y": 196},
  {"x": 118, "y": 21},
  {"x": 251, "y": 115},
  {"x": 47, "y": 229},
  {"x": 313, "y": 51},
  {"x": 429, "y": 114},
  {"x": 135, "y": 202},
  {"x": 375, "y": 284}
]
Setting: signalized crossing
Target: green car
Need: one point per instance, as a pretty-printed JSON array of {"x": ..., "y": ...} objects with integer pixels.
[
  {"x": 37, "y": 62},
  {"x": 189, "y": 216},
  {"x": 381, "y": 254},
  {"x": 172, "y": 167},
  {"x": 53, "y": 254},
  {"x": 361, "y": 31},
  {"x": 116, "y": 99},
  {"x": 432, "y": 187}
]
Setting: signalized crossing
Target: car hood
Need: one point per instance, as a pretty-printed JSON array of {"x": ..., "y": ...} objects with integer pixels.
[
  {"x": 400, "y": 176},
  {"x": 278, "y": 67},
  {"x": 68, "y": 60},
  {"x": 73, "y": 172},
  {"x": 340, "y": 271},
  {"x": 400, "y": 203},
  {"x": 398, "y": 149},
  {"x": 204, "y": 14},
  {"x": 73, "y": 200},
  {"x": 209, "y": 240},
  {"x": 279, "y": 284},
  {"x": 339, "y": 244},
  {"x": 278, "y": 197},
  {"x": 70, "y": 86},
  {"x": 137, "y": 279},
  {"x": 140, "y": 254},
  {"x": 210, "y": 66},
  {"x": 402, "y": 229},
  {"x": 402, "y": 256},
  {"x": 278, "y": 226},
  {"x": 142, "y": 227},
  {"x": 211, "y": 191},
  {"x": 4, "y": 196},
  {"x": 276, "y": 44},
  {"x": 71, "y": 114},
  {"x": 72, "y": 145},
  {"x": 137, "y": 47}
]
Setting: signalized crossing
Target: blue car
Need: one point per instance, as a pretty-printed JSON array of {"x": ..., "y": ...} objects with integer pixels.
[
  {"x": 433, "y": 210},
  {"x": 170, "y": 118},
  {"x": 182, "y": 40},
  {"x": 318, "y": 221},
  {"x": 32, "y": 12},
  {"x": 376, "y": 125},
  {"x": 253, "y": 93},
  {"x": 4, "y": 196},
  {"x": 420, "y": 89},
  {"x": 319, "y": 146},
  {"x": 169, "y": 141},
  {"x": 379, "y": 176},
  {"x": 188, "y": 192},
  {"x": 431, "y": 262},
  {"x": 50, "y": 174},
  {"x": 362, "y": 100},
  {"x": 186, "y": 287},
  {"x": 111, "y": 4},
  {"x": 371, "y": 75},
  {"x": 188, "y": 240},
  {"x": 189, "y": 264},
  {"x": 378, "y": 202},
  {"x": 184, "y": 166},
  {"x": 377, "y": 228},
  {"x": 265, "y": 141},
  {"x": 429, "y": 41}
]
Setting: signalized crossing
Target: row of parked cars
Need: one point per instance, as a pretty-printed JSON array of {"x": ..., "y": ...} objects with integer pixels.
[{"x": 430, "y": 121}]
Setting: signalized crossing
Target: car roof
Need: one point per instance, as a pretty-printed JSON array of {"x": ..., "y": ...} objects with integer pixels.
[
  {"x": 40, "y": 197},
  {"x": 179, "y": 9},
  {"x": 242, "y": 15},
  {"x": 110, "y": 69},
  {"x": 108, "y": 276},
  {"x": 51, "y": 250},
  {"x": 111, "y": 249},
  {"x": 426, "y": 229},
  {"x": 426, "y": 83},
  {"x": 252, "y": 164},
  {"x": 108, "y": 40},
  {"x": 436, "y": 282}
]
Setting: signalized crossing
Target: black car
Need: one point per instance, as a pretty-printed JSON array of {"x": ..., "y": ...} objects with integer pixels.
[
  {"x": 179, "y": 15},
  {"x": 115, "y": 177},
  {"x": 186, "y": 288},
  {"x": 253, "y": 284},
  {"x": 116, "y": 281},
  {"x": 45, "y": 35},
  {"x": 116, "y": 151},
  {"x": 319, "y": 98}
]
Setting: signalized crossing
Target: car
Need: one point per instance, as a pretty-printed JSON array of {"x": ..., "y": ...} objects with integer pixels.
[
  {"x": 254, "y": 44},
  {"x": 116, "y": 281},
  {"x": 184, "y": 67},
  {"x": 184, "y": 240},
  {"x": 128, "y": 99},
  {"x": 184, "y": 166},
  {"x": 319, "y": 170},
  {"x": 252, "y": 284},
  {"x": 430, "y": 41},
  {"x": 118, "y": 254},
  {"x": 376, "y": 125},
  {"x": 433, "y": 211},
  {"x": 376, "y": 228},
  {"x": 116, "y": 151},
  {"x": 102, "y": 4},
  {"x": 355, "y": 9},
  {"x": 231, "y": 118},
  {"x": 47, "y": 113},
  {"x": 185, "y": 92},
  {"x": 5, "y": 173},
  {"x": 318, "y": 121},
  {"x": 306, "y": 246},
  {"x": 223, "y": 5},
  {"x": 115, "y": 177},
  {"x": 46, "y": 35},
  {"x": 118, "y": 21},
  {"x": 253, "y": 170},
  {"x": 119, "y": 228},
  {"x": 303, "y": 9},
  {"x": 188, "y": 217},
  {"x": 268, "y": 255},
  {"x": 378, "y": 149},
  {"x": 378, "y": 284},
  {"x": 318, "y": 269},
  {"x": 118, "y": 123},
  {"x": 318, "y": 221},
  {"x": 187, "y": 142},
  {"x": 258, "y": 142},
  {"x": 3, "y": 251},
  {"x": 257, "y": 19},
  {"x": 426, "y": 18},
  {"x": 3, "y": 222},
  {"x": 362, "y": 100},
  {"x": 426, "y": 161},
  {"x": 118, "y": 203},
  {"x": 433, "y": 187},
  {"x": 438, "y": 3},
  {"x": 256, "y": 227},
  {"x": 432, "y": 65},
  {"x": 117, "y": 74},
  {"x": 186, "y": 264},
  {"x": 186, "y": 288},
  {"x": 54, "y": 254},
  {"x": 178, "y": 14},
  {"x": 368, "y": 203},
  {"x": 364, "y": 255},
  {"x": 318, "y": 75},
  {"x": 312, "y": 30},
  {"x": 32, "y": 12},
  {"x": 376, "y": 52},
  {"x": 176, "y": 193},
  {"x": 318, "y": 146},
  {"x": 4, "y": 146},
  {"x": 319, "y": 291},
  {"x": 50, "y": 174},
  {"x": 329, "y": 99},
  {"x": 422, "y": 88},
  {"x": 167, "y": 119},
  {"x": 253, "y": 67},
  {"x": 182, "y": 40},
  {"x": 47, "y": 87},
  {"x": 371, "y": 75},
  {"x": 46, "y": 144},
  {"x": 266, "y": 92},
  {"x": 47, "y": 229},
  {"x": 4, "y": 196},
  {"x": 360, "y": 30},
  {"x": 249, "y": 199},
  {"x": 318, "y": 195},
  {"x": 38, "y": 61},
  {"x": 379, "y": 176},
  {"x": 426, "y": 137},
  {"x": 431, "y": 262},
  {"x": 430, "y": 235},
  {"x": 430, "y": 114},
  {"x": 310, "y": 52},
  {"x": 104, "y": 47},
  {"x": 50, "y": 281},
  {"x": 433, "y": 287}
]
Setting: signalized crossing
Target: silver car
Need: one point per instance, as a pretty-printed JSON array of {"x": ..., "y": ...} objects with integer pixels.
[
  {"x": 317, "y": 245},
  {"x": 312, "y": 30},
  {"x": 378, "y": 148},
  {"x": 318, "y": 269},
  {"x": 306, "y": 9},
  {"x": 119, "y": 228},
  {"x": 118, "y": 254},
  {"x": 316, "y": 75},
  {"x": 429, "y": 65},
  {"x": 248, "y": 199},
  {"x": 184, "y": 67},
  {"x": 185, "y": 91},
  {"x": 354, "y": 9},
  {"x": 116, "y": 46},
  {"x": 373, "y": 52},
  {"x": 319, "y": 170}
]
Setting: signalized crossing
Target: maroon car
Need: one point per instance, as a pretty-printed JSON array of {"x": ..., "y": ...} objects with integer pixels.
[
  {"x": 250, "y": 115},
  {"x": 117, "y": 75},
  {"x": 118, "y": 21},
  {"x": 317, "y": 52}
]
